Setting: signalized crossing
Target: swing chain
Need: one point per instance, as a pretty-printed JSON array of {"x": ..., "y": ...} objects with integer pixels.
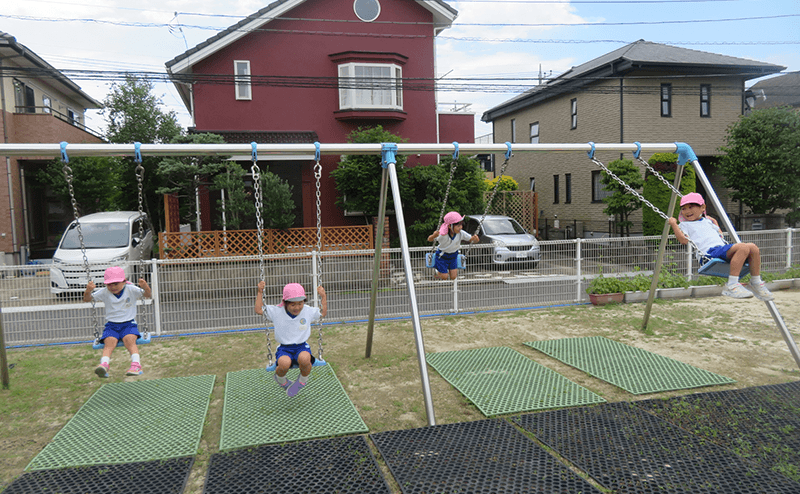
[
  {"x": 491, "y": 197},
  {"x": 660, "y": 177},
  {"x": 446, "y": 195},
  {"x": 256, "y": 172},
  {"x": 140, "y": 180},
  {"x": 318, "y": 176},
  {"x": 68, "y": 177}
]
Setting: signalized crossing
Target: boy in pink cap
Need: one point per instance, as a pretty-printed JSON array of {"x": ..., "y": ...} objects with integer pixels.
[
  {"x": 119, "y": 298},
  {"x": 292, "y": 319},
  {"x": 449, "y": 237},
  {"x": 707, "y": 237}
]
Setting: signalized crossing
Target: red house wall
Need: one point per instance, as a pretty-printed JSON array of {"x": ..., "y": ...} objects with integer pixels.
[
  {"x": 458, "y": 127},
  {"x": 290, "y": 53}
]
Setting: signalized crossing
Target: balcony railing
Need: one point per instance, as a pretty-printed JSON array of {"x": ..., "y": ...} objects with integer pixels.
[{"x": 57, "y": 114}]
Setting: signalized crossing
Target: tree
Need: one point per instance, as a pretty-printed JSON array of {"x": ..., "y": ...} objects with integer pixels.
[
  {"x": 278, "y": 208},
  {"x": 761, "y": 164},
  {"x": 658, "y": 193},
  {"x": 95, "y": 183},
  {"x": 429, "y": 185},
  {"x": 622, "y": 203},
  {"x": 237, "y": 204},
  {"x": 134, "y": 114}
]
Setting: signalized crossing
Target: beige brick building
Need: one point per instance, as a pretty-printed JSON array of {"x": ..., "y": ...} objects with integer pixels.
[{"x": 645, "y": 92}]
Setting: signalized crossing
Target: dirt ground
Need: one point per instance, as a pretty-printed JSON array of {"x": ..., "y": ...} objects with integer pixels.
[{"x": 735, "y": 338}]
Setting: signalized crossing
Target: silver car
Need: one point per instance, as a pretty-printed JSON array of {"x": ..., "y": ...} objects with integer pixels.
[{"x": 512, "y": 245}]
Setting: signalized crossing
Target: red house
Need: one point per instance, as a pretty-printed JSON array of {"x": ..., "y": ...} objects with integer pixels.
[{"x": 299, "y": 71}]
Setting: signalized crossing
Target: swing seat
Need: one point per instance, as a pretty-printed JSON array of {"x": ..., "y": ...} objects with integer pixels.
[
  {"x": 430, "y": 260},
  {"x": 461, "y": 262},
  {"x": 317, "y": 363},
  {"x": 718, "y": 267},
  {"x": 143, "y": 339}
]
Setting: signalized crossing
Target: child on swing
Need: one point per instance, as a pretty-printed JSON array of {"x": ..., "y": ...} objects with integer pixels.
[
  {"x": 707, "y": 237},
  {"x": 292, "y": 320},
  {"x": 119, "y": 298},
  {"x": 449, "y": 237}
]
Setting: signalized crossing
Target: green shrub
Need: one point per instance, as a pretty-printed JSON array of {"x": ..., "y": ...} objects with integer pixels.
[
  {"x": 607, "y": 284},
  {"x": 658, "y": 193}
]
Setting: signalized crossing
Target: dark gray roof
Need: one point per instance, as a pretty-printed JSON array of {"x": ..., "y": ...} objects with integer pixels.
[
  {"x": 779, "y": 91},
  {"x": 636, "y": 56},
  {"x": 261, "y": 13},
  {"x": 10, "y": 47}
]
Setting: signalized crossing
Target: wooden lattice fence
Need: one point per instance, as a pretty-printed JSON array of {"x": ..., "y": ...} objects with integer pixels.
[
  {"x": 192, "y": 245},
  {"x": 522, "y": 205}
]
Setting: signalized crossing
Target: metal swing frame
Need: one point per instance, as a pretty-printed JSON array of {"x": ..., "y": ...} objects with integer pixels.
[{"x": 257, "y": 193}]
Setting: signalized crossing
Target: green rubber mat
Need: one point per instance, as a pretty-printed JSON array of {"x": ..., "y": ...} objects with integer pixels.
[
  {"x": 635, "y": 370},
  {"x": 130, "y": 422},
  {"x": 501, "y": 380},
  {"x": 257, "y": 410}
]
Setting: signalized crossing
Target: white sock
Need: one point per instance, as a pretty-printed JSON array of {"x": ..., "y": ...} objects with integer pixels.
[
  {"x": 303, "y": 379},
  {"x": 732, "y": 280},
  {"x": 281, "y": 379},
  {"x": 134, "y": 358},
  {"x": 755, "y": 280},
  {"x": 105, "y": 360}
]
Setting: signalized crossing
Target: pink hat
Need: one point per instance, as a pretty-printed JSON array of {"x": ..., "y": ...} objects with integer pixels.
[
  {"x": 692, "y": 198},
  {"x": 114, "y": 274},
  {"x": 293, "y": 292},
  {"x": 450, "y": 218}
]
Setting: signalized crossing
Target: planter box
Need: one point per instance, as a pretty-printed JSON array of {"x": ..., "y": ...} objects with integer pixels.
[
  {"x": 780, "y": 284},
  {"x": 670, "y": 293},
  {"x": 633, "y": 297},
  {"x": 606, "y": 298},
  {"x": 796, "y": 283},
  {"x": 707, "y": 290}
]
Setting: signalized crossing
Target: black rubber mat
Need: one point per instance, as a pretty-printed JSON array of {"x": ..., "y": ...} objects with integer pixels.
[
  {"x": 340, "y": 465},
  {"x": 631, "y": 451},
  {"x": 487, "y": 456},
  {"x": 156, "y": 477},
  {"x": 761, "y": 424}
]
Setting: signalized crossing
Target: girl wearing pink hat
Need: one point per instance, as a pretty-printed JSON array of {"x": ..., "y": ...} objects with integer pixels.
[
  {"x": 449, "y": 237},
  {"x": 707, "y": 237},
  {"x": 119, "y": 298},
  {"x": 292, "y": 320}
]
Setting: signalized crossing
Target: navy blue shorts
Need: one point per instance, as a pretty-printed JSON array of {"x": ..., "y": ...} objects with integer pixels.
[
  {"x": 446, "y": 262},
  {"x": 720, "y": 252},
  {"x": 120, "y": 330},
  {"x": 293, "y": 351}
]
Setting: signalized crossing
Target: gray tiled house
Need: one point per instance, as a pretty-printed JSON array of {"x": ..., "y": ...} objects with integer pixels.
[{"x": 646, "y": 92}]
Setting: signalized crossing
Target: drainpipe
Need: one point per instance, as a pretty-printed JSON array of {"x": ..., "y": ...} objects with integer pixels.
[{"x": 11, "y": 211}]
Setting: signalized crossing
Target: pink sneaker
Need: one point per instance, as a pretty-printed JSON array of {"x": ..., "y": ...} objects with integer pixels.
[
  {"x": 135, "y": 370},
  {"x": 101, "y": 370}
]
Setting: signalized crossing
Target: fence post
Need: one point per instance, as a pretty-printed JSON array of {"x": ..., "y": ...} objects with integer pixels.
[
  {"x": 578, "y": 242},
  {"x": 689, "y": 261},
  {"x": 156, "y": 297},
  {"x": 455, "y": 295},
  {"x": 315, "y": 273},
  {"x": 788, "y": 248}
]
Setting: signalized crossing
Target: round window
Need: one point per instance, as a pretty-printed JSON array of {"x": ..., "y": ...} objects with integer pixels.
[{"x": 367, "y": 10}]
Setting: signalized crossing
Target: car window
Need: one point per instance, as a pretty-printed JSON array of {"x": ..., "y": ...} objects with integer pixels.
[
  {"x": 97, "y": 236},
  {"x": 502, "y": 226},
  {"x": 470, "y": 226}
]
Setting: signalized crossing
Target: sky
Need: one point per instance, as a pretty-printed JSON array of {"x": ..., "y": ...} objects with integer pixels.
[{"x": 518, "y": 40}]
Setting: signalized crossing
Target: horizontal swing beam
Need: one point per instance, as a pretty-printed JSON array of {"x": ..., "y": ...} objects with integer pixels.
[{"x": 54, "y": 150}]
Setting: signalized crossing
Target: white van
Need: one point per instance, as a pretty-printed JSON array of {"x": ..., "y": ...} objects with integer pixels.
[{"x": 110, "y": 239}]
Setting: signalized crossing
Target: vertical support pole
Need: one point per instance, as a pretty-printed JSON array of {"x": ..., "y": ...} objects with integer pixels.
[
  {"x": 455, "y": 296},
  {"x": 156, "y": 298},
  {"x": 578, "y": 293},
  {"x": 788, "y": 248},
  {"x": 376, "y": 265},
  {"x": 389, "y": 150},
  {"x": 773, "y": 309},
  {"x": 3, "y": 357},
  {"x": 662, "y": 246}
]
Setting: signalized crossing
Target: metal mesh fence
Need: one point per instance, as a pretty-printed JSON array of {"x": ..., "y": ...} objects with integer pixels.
[{"x": 218, "y": 294}]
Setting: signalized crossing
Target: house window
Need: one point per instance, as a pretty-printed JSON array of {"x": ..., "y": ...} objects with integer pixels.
[
  {"x": 567, "y": 188},
  {"x": 555, "y": 189},
  {"x": 705, "y": 100},
  {"x": 367, "y": 10},
  {"x": 666, "y": 100},
  {"x": 573, "y": 108},
  {"x": 535, "y": 133},
  {"x": 242, "y": 79},
  {"x": 370, "y": 86},
  {"x": 533, "y": 184},
  {"x": 513, "y": 130},
  {"x": 74, "y": 117},
  {"x": 598, "y": 192},
  {"x": 46, "y": 103}
]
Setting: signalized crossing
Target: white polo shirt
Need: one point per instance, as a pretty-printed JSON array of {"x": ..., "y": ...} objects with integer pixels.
[
  {"x": 120, "y": 309},
  {"x": 449, "y": 245},
  {"x": 292, "y": 330}
]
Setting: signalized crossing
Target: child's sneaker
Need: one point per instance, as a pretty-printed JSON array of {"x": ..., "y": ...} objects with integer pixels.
[
  {"x": 761, "y": 292},
  {"x": 294, "y": 389},
  {"x": 101, "y": 370},
  {"x": 284, "y": 386},
  {"x": 135, "y": 370},
  {"x": 737, "y": 291}
]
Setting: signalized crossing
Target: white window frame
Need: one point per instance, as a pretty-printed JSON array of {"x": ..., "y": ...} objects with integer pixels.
[
  {"x": 46, "y": 103},
  {"x": 535, "y": 133},
  {"x": 705, "y": 100},
  {"x": 242, "y": 82},
  {"x": 354, "y": 93}
]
